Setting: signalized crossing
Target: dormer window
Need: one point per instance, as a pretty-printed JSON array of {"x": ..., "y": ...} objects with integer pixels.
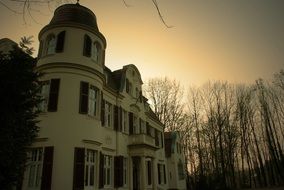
[{"x": 50, "y": 44}]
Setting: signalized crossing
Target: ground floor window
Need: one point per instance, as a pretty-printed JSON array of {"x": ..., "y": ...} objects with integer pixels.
[
  {"x": 107, "y": 170},
  {"x": 149, "y": 172},
  {"x": 39, "y": 168},
  {"x": 162, "y": 174},
  {"x": 35, "y": 167},
  {"x": 90, "y": 168}
]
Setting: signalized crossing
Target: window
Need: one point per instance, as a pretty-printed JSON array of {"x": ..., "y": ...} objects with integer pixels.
[
  {"x": 50, "y": 44},
  {"x": 93, "y": 100},
  {"x": 162, "y": 174},
  {"x": 96, "y": 48},
  {"x": 90, "y": 165},
  {"x": 149, "y": 172},
  {"x": 39, "y": 168},
  {"x": 124, "y": 171},
  {"x": 89, "y": 97},
  {"x": 107, "y": 170},
  {"x": 124, "y": 121},
  {"x": 142, "y": 126},
  {"x": 180, "y": 170},
  {"x": 135, "y": 125},
  {"x": 49, "y": 93},
  {"x": 35, "y": 167},
  {"x": 87, "y": 46},
  {"x": 108, "y": 114},
  {"x": 60, "y": 42}
]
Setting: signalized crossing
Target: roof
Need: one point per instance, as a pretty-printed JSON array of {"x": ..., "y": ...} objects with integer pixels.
[
  {"x": 7, "y": 45},
  {"x": 75, "y": 15}
]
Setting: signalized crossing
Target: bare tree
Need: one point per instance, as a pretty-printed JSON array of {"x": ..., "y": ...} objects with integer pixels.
[{"x": 165, "y": 97}]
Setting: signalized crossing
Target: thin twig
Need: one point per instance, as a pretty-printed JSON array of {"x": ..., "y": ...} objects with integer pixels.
[{"x": 160, "y": 15}]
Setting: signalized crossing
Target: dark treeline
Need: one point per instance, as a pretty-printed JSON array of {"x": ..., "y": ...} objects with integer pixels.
[{"x": 233, "y": 135}]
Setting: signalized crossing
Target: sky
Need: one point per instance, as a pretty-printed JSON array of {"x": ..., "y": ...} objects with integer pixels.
[{"x": 237, "y": 41}]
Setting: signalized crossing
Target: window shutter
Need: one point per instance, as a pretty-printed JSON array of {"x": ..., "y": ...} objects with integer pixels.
[
  {"x": 115, "y": 118},
  {"x": 87, "y": 46},
  {"x": 78, "y": 173},
  {"x": 120, "y": 119},
  {"x": 101, "y": 171},
  {"x": 118, "y": 171},
  {"x": 84, "y": 97},
  {"x": 47, "y": 168},
  {"x": 130, "y": 122},
  {"x": 127, "y": 85},
  {"x": 162, "y": 139},
  {"x": 60, "y": 42},
  {"x": 102, "y": 110},
  {"x": 53, "y": 95},
  {"x": 40, "y": 49},
  {"x": 159, "y": 173},
  {"x": 165, "y": 175},
  {"x": 156, "y": 138}
]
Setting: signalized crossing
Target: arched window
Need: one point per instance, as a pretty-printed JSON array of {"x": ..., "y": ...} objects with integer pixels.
[
  {"x": 96, "y": 49},
  {"x": 60, "y": 42},
  {"x": 50, "y": 44},
  {"x": 87, "y": 46}
]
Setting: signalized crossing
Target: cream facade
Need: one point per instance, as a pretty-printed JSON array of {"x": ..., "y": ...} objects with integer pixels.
[
  {"x": 175, "y": 161},
  {"x": 97, "y": 130}
]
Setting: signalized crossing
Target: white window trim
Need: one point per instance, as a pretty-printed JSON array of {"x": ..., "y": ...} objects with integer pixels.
[
  {"x": 108, "y": 165},
  {"x": 90, "y": 161},
  {"x": 93, "y": 101},
  {"x": 36, "y": 161}
]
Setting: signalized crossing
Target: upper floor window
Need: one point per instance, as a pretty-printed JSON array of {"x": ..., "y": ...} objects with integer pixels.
[
  {"x": 108, "y": 114},
  {"x": 136, "y": 127},
  {"x": 96, "y": 48},
  {"x": 142, "y": 126},
  {"x": 89, "y": 97},
  {"x": 54, "y": 44},
  {"x": 50, "y": 44},
  {"x": 49, "y": 93},
  {"x": 87, "y": 46},
  {"x": 124, "y": 121}
]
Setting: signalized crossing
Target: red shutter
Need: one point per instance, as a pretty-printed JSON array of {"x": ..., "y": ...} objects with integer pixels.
[
  {"x": 115, "y": 118},
  {"x": 53, "y": 95},
  {"x": 87, "y": 46},
  {"x": 162, "y": 139},
  {"x": 130, "y": 116},
  {"x": 60, "y": 42},
  {"x": 47, "y": 168},
  {"x": 101, "y": 171},
  {"x": 102, "y": 110},
  {"x": 78, "y": 173},
  {"x": 84, "y": 97}
]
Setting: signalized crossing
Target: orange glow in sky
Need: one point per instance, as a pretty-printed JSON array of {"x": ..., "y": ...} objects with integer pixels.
[{"x": 237, "y": 41}]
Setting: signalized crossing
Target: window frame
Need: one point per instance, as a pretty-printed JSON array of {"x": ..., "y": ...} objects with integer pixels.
[{"x": 108, "y": 171}]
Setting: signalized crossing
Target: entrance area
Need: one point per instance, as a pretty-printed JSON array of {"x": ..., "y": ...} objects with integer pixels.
[{"x": 136, "y": 172}]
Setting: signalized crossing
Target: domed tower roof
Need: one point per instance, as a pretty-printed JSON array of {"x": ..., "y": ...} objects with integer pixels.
[{"x": 74, "y": 15}]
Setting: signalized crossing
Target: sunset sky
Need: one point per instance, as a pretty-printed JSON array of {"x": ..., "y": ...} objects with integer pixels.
[{"x": 229, "y": 40}]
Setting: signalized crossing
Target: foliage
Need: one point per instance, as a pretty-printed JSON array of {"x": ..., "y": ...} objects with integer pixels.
[{"x": 18, "y": 98}]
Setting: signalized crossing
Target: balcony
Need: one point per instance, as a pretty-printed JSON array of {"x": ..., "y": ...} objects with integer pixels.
[{"x": 142, "y": 141}]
